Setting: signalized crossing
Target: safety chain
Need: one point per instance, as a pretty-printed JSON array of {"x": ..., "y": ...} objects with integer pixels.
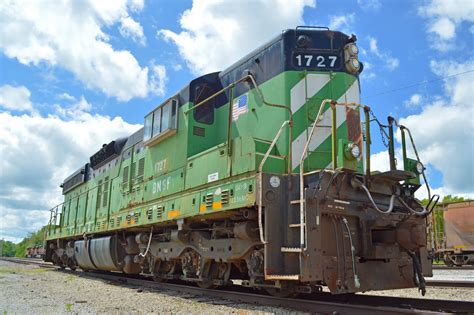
[{"x": 382, "y": 127}]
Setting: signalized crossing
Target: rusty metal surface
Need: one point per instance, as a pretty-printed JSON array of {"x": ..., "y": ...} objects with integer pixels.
[
  {"x": 353, "y": 126},
  {"x": 459, "y": 226}
]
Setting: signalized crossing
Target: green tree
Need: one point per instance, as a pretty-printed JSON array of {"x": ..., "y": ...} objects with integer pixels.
[
  {"x": 7, "y": 248},
  {"x": 33, "y": 239}
]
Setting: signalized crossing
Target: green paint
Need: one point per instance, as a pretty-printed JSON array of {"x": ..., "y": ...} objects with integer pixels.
[{"x": 180, "y": 171}]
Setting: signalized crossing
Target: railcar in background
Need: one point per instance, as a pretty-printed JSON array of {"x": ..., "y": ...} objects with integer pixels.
[
  {"x": 35, "y": 252},
  {"x": 454, "y": 243},
  {"x": 253, "y": 173}
]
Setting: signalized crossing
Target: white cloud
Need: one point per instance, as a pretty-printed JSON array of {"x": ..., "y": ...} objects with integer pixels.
[
  {"x": 158, "y": 79},
  {"x": 131, "y": 28},
  {"x": 414, "y": 101},
  {"x": 217, "y": 33},
  {"x": 369, "y": 4},
  {"x": 444, "y": 17},
  {"x": 342, "y": 23},
  {"x": 391, "y": 63},
  {"x": 368, "y": 72},
  {"x": 444, "y": 27},
  {"x": 70, "y": 34},
  {"x": 380, "y": 162},
  {"x": 59, "y": 145},
  {"x": 177, "y": 67},
  {"x": 444, "y": 130},
  {"x": 15, "y": 98},
  {"x": 65, "y": 97}
]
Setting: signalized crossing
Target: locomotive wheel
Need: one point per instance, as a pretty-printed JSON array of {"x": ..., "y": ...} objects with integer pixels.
[{"x": 162, "y": 268}]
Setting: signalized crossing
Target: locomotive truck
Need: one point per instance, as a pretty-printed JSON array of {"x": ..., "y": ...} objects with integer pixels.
[{"x": 253, "y": 173}]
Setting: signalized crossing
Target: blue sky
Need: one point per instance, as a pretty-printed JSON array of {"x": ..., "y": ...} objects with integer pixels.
[{"x": 74, "y": 75}]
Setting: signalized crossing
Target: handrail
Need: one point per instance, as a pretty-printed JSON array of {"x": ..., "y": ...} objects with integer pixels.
[
  {"x": 303, "y": 157},
  {"x": 403, "y": 128},
  {"x": 333, "y": 104},
  {"x": 260, "y": 179}
]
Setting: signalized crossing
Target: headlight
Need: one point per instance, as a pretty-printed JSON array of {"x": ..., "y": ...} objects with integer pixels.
[
  {"x": 352, "y": 49},
  {"x": 355, "y": 150},
  {"x": 419, "y": 168},
  {"x": 353, "y": 65}
]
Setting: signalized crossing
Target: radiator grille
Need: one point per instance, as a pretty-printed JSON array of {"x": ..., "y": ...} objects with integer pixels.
[
  {"x": 141, "y": 170},
  {"x": 225, "y": 197},
  {"x": 159, "y": 212},
  {"x": 209, "y": 200}
]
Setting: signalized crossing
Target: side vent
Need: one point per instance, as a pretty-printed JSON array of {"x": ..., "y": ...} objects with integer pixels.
[
  {"x": 129, "y": 219},
  {"x": 225, "y": 197},
  {"x": 132, "y": 173},
  {"x": 141, "y": 170},
  {"x": 106, "y": 192},
  {"x": 149, "y": 214},
  {"x": 125, "y": 178},
  {"x": 99, "y": 195},
  {"x": 136, "y": 217},
  {"x": 119, "y": 221},
  {"x": 111, "y": 223},
  {"x": 159, "y": 212},
  {"x": 209, "y": 200}
]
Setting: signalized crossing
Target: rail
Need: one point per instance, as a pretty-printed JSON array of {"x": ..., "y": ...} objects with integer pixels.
[{"x": 317, "y": 302}]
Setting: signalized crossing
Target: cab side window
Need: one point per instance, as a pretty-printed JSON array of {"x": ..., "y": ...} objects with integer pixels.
[
  {"x": 205, "y": 112},
  {"x": 161, "y": 120}
]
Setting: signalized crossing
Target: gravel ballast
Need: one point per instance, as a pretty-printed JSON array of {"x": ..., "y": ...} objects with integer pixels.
[{"x": 28, "y": 289}]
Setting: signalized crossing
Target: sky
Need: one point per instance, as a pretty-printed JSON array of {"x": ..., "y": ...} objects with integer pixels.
[{"x": 77, "y": 74}]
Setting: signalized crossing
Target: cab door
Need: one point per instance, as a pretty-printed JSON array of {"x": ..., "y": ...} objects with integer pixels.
[{"x": 207, "y": 156}]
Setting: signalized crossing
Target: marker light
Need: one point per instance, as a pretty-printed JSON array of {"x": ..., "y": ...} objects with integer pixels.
[
  {"x": 419, "y": 168},
  {"x": 355, "y": 150},
  {"x": 352, "y": 49}
]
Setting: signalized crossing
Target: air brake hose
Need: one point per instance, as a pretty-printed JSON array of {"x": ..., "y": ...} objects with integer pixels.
[
  {"x": 148, "y": 246},
  {"x": 418, "y": 275},
  {"x": 356, "y": 278}
]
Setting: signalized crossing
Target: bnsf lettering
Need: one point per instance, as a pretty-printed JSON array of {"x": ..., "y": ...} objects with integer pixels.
[{"x": 161, "y": 185}]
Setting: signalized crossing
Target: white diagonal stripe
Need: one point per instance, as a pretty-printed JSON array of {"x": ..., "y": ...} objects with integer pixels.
[
  {"x": 315, "y": 83},
  {"x": 321, "y": 134}
]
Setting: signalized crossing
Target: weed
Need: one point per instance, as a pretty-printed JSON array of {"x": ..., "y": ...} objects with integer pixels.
[
  {"x": 68, "y": 307},
  {"x": 70, "y": 278}
]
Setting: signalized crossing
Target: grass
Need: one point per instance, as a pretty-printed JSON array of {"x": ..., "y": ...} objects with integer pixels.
[
  {"x": 68, "y": 307},
  {"x": 70, "y": 278}
]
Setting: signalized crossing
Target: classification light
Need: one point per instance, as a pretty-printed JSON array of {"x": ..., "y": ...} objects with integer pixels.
[{"x": 419, "y": 168}]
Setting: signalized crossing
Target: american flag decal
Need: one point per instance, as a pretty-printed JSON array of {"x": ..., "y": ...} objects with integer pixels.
[{"x": 239, "y": 107}]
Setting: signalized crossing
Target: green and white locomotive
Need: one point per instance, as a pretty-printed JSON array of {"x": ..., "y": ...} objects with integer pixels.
[{"x": 255, "y": 173}]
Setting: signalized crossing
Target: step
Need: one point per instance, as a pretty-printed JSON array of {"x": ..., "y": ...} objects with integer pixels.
[
  {"x": 295, "y": 225},
  {"x": 291, "y": 250},
  {"x": 282, "y": 277},
  {"x": 295, "y": 202}
]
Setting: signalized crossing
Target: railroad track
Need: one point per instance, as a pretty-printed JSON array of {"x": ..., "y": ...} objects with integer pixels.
[
  {"x": 460, "y": 268},
  {"x": 318, "y": 302}
]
